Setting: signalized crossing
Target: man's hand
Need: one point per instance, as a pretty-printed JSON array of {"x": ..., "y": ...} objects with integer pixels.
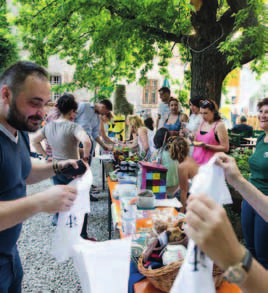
[
  {"x": 67, "y": 163},
  {"x": 109, "y": 148},
  {"x": 210, "y": 228},
  {"x": 58, "y": 198}
]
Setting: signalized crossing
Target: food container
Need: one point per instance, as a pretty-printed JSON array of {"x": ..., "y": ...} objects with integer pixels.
[
  {"x": 146, "y": 199},
  {"x": 173, "y": 253}
]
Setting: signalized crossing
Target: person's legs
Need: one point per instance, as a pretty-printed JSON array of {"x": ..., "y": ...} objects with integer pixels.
[
  {"x": 261, "y": 240},
  {"x": 248, "y": 223}
]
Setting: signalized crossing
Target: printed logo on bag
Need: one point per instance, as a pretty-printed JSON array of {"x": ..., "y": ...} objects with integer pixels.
[
  {"x": 266, "y": 155},
  {"x": 198, "y": 259},
  {"x": 71, "y": 221}
]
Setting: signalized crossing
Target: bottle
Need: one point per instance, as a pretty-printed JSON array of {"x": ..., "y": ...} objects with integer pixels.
[
  {"x": 128, "y": 217},
  {"x": 139, "y": 179}
]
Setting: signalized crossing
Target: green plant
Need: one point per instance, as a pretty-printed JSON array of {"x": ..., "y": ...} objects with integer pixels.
[{"x": 241, "y": 157}]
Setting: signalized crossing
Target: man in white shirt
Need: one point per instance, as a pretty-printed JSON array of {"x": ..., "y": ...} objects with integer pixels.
[{"x": 163, "y": 106}]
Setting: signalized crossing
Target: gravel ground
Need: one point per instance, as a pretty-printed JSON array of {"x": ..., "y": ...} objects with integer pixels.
[{"x": 41, "y": 271}]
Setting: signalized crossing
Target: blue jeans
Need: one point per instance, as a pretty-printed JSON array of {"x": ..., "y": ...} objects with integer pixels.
[
  {"x": 11, "y": 274},
  {"x": 255, "y": 231}
]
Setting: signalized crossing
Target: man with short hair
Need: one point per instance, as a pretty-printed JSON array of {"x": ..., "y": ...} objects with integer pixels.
[
  {"x": 88, "y": 116},
  {"x": 25, "y": 91},
  {"x": 163, "y": 108},
  {"x": 243, "y": 126}
]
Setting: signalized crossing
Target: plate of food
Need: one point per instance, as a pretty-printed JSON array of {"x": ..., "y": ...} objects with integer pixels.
[{"x": 198, "y": 143}]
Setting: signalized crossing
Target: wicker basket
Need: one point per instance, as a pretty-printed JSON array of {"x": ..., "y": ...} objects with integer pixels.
[
  {"x": 161, "y": 278},
  {"x": 164, "y": 277}
]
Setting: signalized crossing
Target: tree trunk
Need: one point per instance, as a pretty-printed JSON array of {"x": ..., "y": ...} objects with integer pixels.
[{"x": 209, "y": 69}]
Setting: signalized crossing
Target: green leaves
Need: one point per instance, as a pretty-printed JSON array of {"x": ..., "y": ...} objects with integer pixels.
[
  {"x": 111, "y": 40},
  {"x": 8, "y": 46}
]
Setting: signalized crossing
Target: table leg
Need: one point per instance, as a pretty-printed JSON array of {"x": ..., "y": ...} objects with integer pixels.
[
  {"x": 103, "y": 175},
  {"x": 109, "y": 214}
]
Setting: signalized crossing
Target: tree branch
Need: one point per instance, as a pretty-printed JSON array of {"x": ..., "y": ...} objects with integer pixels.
[
  {"x": 236, "y": 5},
  {"x": 126, "y": 14},
  {"x": 44, "y": 8},
  {"x": 171, "y": 37}
]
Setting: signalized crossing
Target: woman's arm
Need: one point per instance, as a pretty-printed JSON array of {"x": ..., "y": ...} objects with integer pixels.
[
  {"x": 103, "y": 133},
  {"x": 210, "y": 228},
  {"x": 249, "y": 192},
  {"x": 143, "y": 134},
  {"x": 36, "y": 141},
  {"x": 81, "y": 135},
  {"x": 223, "y": 138},
  {"x": 183, "y": 184}
]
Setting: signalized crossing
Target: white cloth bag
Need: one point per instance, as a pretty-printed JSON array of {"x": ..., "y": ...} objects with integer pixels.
[
  {"x": 195, "y": 275},
  {"x": 103, "y": 266},
  {"x": 70, "y": 222}
]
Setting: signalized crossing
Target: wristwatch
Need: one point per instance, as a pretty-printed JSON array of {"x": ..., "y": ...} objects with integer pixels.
[{"x": 237, "y": 273}]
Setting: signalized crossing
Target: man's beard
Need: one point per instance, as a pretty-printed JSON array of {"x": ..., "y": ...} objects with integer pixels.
[{"x": 18, "y": 121}]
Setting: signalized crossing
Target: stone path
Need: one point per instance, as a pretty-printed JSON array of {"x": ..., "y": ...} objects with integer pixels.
[{"x": 41, "y": 271}]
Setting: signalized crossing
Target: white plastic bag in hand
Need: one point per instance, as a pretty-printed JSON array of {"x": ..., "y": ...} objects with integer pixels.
[
  {"x": 210, "y": 180},
  {"x": 195, "y": 275},
  {"x": 70, "y": 222}
]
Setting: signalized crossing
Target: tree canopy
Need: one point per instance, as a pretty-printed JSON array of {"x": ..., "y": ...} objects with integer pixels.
[
  {"x": 8, "y": 46},
  {"x": 108, "y": 40}
]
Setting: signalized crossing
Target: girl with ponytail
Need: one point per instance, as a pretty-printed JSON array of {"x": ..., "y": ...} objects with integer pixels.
[{"x": 179, "y": 151}]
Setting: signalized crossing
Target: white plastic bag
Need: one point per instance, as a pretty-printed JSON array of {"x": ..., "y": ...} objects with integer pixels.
[
  {"x": 195, "y": 275},
  {"x": 70, "y": 222}
]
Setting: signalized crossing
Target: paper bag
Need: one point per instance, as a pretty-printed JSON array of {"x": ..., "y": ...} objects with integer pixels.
[
  {"x": 70, "y": 222},
  {"x": 195, "y": 275}
]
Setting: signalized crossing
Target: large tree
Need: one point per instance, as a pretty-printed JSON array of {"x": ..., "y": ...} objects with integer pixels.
[{"x": 112, "y": 39}]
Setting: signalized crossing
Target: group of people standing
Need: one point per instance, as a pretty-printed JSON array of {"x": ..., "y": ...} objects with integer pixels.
[{"x": 72, "y": 131}]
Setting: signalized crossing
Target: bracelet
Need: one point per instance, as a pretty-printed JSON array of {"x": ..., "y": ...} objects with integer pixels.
[{"x": 56, "y": 167}]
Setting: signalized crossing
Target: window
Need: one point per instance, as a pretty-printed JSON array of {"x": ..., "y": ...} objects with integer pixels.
[
  {"x": 55, "y": 79},
  {"x": 150, "y": 92}
]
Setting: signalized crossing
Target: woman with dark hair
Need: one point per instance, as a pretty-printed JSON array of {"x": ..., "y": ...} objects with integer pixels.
[
  {"x": 195, "y": 117},
  {"x": 172, "y": 119},
  {"x": 63, "y": 135},
  {"x": 179, "y": 151},
  {"x": 212, "y": 136},
  {"x": 255, "y": 228},
  {"x": 161, "y": 156},
  {"x": 149, "y": 123}
]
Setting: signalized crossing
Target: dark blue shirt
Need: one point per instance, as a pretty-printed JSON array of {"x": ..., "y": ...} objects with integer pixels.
[{"x": 15, "y": 167}]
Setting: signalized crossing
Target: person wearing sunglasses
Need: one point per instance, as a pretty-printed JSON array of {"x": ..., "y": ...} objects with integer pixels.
[{"x": 212, "y": 135}]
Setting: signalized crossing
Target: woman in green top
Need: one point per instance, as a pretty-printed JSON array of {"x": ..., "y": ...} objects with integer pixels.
[
  {"x": 162, "y": 157},
  {"x": 255, "y": 229}
]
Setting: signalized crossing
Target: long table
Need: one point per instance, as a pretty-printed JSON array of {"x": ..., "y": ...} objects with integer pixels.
[{"x": 144, "y": 286}]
